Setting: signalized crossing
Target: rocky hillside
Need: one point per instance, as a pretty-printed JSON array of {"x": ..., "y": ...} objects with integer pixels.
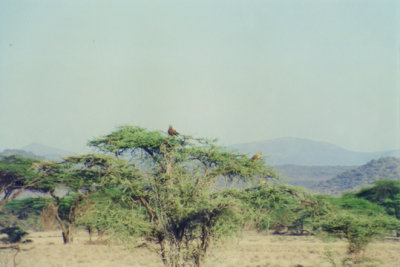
[
  {"x": 307, "y": 176},
  {"x": 351, "y": 180}
]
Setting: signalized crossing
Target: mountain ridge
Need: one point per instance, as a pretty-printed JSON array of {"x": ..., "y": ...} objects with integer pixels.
[
  {"x": 38, "y": 151},
  {"x": 306, "y": 152},
  {"x": 20, "y": 152}
]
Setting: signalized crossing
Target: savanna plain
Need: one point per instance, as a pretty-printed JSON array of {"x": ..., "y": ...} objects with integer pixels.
[{"x": 248, "y": 249}]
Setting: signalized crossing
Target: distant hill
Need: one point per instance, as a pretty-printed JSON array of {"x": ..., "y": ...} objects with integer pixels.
[
  {"x": 306, "y": 152},
  {"x": 20, "y": 152},
  {"x": 351, "y": 180},
  {"x": 47, "y": 151},
  {"x": 307, "y": 176}
]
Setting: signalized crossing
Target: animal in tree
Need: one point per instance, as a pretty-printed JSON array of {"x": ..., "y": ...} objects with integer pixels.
[
  {"x": 172, "y": 131},
  {"x": 257, "y": 156}
]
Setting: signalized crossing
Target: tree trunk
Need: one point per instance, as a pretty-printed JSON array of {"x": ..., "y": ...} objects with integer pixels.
[
  {"x": 197, "y": 261},
  {"x": 66, "y": 230},
  {"x": 66, "y": 237},
  {"x": 163, "y": 255},
  {"x": 89, "y": 229}
]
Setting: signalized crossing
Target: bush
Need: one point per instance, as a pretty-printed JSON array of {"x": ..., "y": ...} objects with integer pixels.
[
  {"x": 272, "y": 206},
  {"x": 23, "y": 208},
  {"x": 15, "y": 234},
  {"x": 358, "y": 229}
]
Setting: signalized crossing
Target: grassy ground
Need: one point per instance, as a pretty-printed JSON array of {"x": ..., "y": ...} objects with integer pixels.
[{"x": 251, "y": 249}]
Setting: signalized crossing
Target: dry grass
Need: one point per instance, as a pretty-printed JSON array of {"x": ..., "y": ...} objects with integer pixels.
[
  {"x": 47, "y": 249},
  {"x": 255, "y": 249},
  {"x": 252, "y": 249}
]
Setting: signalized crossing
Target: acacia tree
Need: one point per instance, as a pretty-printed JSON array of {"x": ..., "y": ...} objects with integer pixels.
[
  {"x": 172, "y": 180},
  {"x": 17, "y": 175},
  {"x": 79, "y": 174}
]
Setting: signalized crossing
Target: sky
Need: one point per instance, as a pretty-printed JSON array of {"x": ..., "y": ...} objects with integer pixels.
[{"x": 239, "y": 71}]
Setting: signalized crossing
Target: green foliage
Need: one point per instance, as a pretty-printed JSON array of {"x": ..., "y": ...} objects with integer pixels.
[
  {"x": 15, "y": 234},
  {"x": 21, "y": 173},
  {"x": 385, "y": 193},
  {"x": 85, "y": 171},
  {"x": 169, "y": 190},
  {"x": 15, "y": 173},
  {"x": 382, "y": 190},
  {"x": 357, "y": 220},
  {"x": 105, "y": 212},
  {"x": 168, "y": 193},
  {"x": 67, "y": 204},
  {"x": 23, "y": 208},
  {"x": 356, "y": 205},
  {"x": 129, "y": 138},
  {"x": 18, "y": 174},
  {"x": 17, "y": 166},
  {"x": 359, "y": 230},
  {"x": 28, "y": 210},
  {"x": 279, "y": 207},
  {"x": 81, "y": 175}
]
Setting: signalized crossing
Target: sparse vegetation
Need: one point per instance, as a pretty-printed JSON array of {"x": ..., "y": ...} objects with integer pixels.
[
  {"x": 249, "y": 249},
  {"x": 148, "y": 187}
]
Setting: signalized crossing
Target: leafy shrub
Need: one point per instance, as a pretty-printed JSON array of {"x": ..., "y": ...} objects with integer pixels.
[
  {"x": 357, "y": 220},
  {"x": 23, "y": 208},
  {"x": 15, "y": 234},
  {"x": 385, "y": 193},
  {"x": 358, "y": 230},
  {"x": 356, "y": 205},
  {"x": 275, "y": 207}
]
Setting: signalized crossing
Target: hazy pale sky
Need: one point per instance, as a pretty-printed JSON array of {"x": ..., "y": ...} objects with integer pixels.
[{"x": 239, "y": 71}]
